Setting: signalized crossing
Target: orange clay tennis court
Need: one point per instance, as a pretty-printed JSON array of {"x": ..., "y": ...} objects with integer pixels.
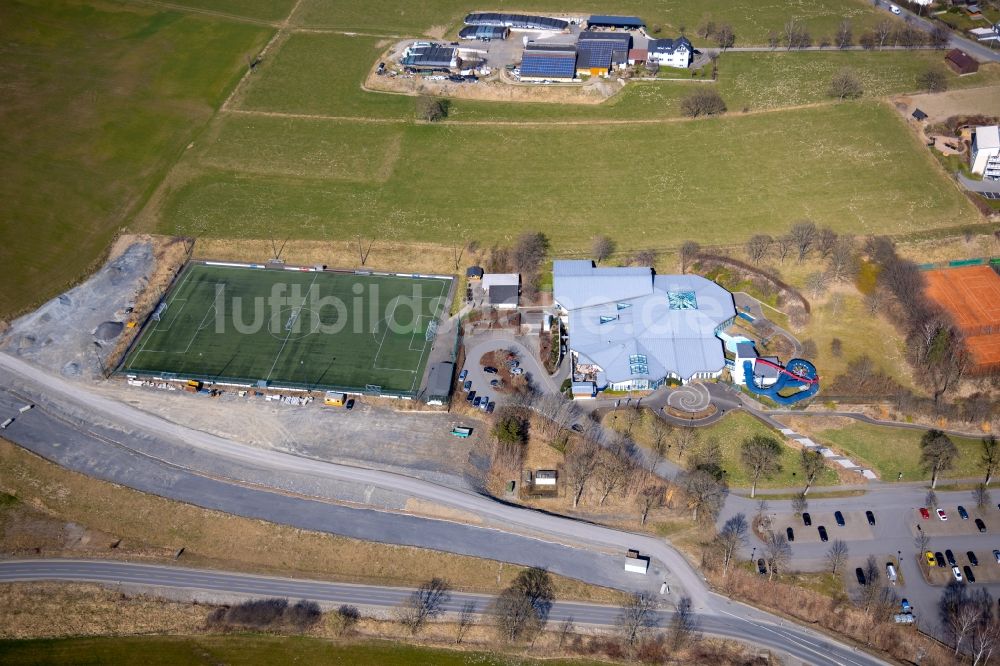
[{"x": 971, "y": 295}]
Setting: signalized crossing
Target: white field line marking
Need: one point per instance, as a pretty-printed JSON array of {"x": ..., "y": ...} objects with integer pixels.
[
  {"x": 395, "y": 302},
  {"x": 199, "y": 328},
  {"x": 289, "y": 333},
  {"x": 428, "y": 343}
]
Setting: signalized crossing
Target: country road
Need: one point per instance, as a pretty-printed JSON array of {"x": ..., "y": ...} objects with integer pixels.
[
  {"x": 207, "y": 586},
  {"x": 120, "y": 443}
]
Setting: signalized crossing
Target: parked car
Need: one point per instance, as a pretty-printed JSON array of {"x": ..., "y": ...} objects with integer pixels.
[
  {"x": 931, "y": 560},
  {"x": 517, "y": 371},
  {"x": 478, "y": 401},
  {"x": 871, "y": 518},
  {"x": 349, "y": 404},
  {"x": 924, "y": 513},
  {"x": 485, "y": 403},
  {"x": 467, "y": 386},
  {"x": 860, "y": 573},
  {"x": 579, "y": 428},
  {"x": 808, "y": 521},
  {"x": 822, "y": 534},
  {"x": 980, "y": 525},
  {"x": 490, "y": 370},
  {"x": 969, "y": 576},
  {"x": 939, "y": 556},
  {"x": 996, "y": 555},
  {"x": 905, "y": 606},
  {"x": 490, "y": 407},
  {"x": 494, "y": 383},
  {"x": 790, "y": 533},
  {"x": 942, "y": 515},
  {"x": 462, "y": 375},
  {"x": 957, "y": 574},
  {"x": 950, "y": 556},
  {"x": 761, "y": 567},
  {"x": 963, "y": 513},
  {"x": 471, "y": 396},
  {"x": 973, "y": 560},
  {"x": 839, "y": 517}
]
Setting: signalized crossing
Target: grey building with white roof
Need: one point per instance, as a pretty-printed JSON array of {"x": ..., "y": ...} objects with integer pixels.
[{"x": 632, "y": 329}]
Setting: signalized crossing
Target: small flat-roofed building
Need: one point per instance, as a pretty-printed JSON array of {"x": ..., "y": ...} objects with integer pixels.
[
  {"x": 583, "y": 390},
  {"x": 502, "y": 290},
  {"x": 474, "y": 273},
  {"x": 598, "y": 51},
  {"x": 439, "y": 382},
  {"x": 484, "y": 32},
  {"x": 615, "y": 22},
  {"x": 671, "y": 52},
  {"x": 919, "y": 115},
  {"x": 985, "y": 153},
  {"x": 548, "y": 62},
  {"x": 961, "y": 62},
  {"x": 546, "y": 477},
  {"x": 517, "y": 21}
]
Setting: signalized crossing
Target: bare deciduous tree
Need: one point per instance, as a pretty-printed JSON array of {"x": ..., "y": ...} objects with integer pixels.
[
  {"x": 651, "y": 497},
  {"x": 466, "y": 620},
  {"x": 683, "y": 625},
  {"x": 347, "y": 617},
  {"x": 846, "y": 84},
  {"x": 725, "y": 37},
  {"x": 778, "y": 553},
  {"x": 760, "y": 456},
  {"x": 688, "y": 253},
  {"x": 836, "y": 555},
  {"x": 981, "y": 495},
  {"x": 703, "y": 103},
  {"x": 937, "y": 453},
  {"x": 882, "y": 31},
  {"x": 933, "y": 79},
  {"x": 705, "y": 495},
  {"x": 602, "y": 248},
  {"x": 731, "y": 537},
  {"x": 845, "y": 35},
  {"x": 803, "y": 235},
  {"x": 816, "y": 283},
  {"x": 581, "y": 461},
  {"x": 843, "y": 261},
  {"x": 783, "y": 246},
  {"x": 796, "y": 36},
  {"x": 931, "y": 500},
  {"x": 873, "y": 583},
  {"x": 424, "y": 604},
  {"x": 812, "y": 463},
  {"x": 659, "y": 440},
  {"x": 684, "y": 439},
  {"x": 637, "y": 618},
  {"x": 758, "y": 246},
  {"x": 991, "y": 456},
  {"x": 431, "y": 109}
]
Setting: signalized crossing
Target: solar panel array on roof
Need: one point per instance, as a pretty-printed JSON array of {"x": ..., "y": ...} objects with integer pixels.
[
  {"x": 596, "y": 49},
  {"x": 548, "y": 64},
  {"x": 483, "y": 32},
  {"x": 517, "y": 21},
  {"x": 616, "y": 21}
]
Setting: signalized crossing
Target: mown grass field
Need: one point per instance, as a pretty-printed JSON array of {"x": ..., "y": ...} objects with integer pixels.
[
  {"x": 100, "y": 99},
  {"x": 893, "y": 450},
  {"x": 852, "y": 166},
  {"x": 730, "y": 432},
  {"x": 248, "y": 649},
  {"x": 322, "y": 73},
  {"x": 752, "y": 20}
]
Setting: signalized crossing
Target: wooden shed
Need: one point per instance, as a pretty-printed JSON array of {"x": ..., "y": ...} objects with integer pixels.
[{"x": 961, "y": 62}]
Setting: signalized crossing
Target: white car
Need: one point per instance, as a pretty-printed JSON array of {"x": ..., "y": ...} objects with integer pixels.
[
  {"x": 942, "y": 515},
  {"x": 517, "y": 371},
  {"x": 957, "y": 573},
  {"x": 895, "y": 10}
]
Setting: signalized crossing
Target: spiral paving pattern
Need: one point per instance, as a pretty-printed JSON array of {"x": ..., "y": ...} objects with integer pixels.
[{"x": 690, "y": 398}]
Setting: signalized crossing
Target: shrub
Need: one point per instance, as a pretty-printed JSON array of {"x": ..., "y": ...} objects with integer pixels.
[{"x": 703, "y": 103}]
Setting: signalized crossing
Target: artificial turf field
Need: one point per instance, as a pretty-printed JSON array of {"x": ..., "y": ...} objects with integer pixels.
[{"x": 305, "y": 329}]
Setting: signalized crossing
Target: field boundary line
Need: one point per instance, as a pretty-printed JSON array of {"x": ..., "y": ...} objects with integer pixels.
[
  {"x": 289, "y": 333},
  {"x": 148, "y": 335},
  {"x": 395, "y": 302},
  {"x": 314, "y": 116},
  {"x": 199, "y": 328}
]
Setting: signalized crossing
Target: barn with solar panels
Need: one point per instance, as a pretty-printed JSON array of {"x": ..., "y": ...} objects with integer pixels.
[
  {"x": 483, "y": 32},
  {"x": 548, "y": 62},
  {"x": 517, "y": 21},
  {"x": 615, "y": 22},
  {"x": 598, "y": 51}
]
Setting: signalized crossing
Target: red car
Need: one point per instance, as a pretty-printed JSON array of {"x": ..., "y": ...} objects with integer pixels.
[{"x": 924, "y": 513}]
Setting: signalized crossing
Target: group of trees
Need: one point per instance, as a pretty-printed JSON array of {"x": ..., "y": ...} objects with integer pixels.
[
  {"x": 803, "y": 240},
  {"x": 526, "y": 256},
  {"x": 722, "y": 33},
  {"x": 267, "y": 614},
  {"x": 703, "y": 103},
  {"x": 938, "y": 454},
  {"x": 970, "y": 622},
  {"x": 935, "y": 346},
  {"x": 886, "y": 33}
]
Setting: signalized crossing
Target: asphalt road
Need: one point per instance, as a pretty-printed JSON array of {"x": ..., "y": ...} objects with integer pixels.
[
  {"x": 118, "y": 443},
  {"x": 973, "y": 48},
  {"x": 801, "y": 644}
]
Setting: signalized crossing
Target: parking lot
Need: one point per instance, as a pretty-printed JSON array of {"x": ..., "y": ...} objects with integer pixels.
[{"x": 856, "y": 527}]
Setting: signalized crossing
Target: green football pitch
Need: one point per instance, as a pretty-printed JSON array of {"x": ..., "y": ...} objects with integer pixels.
[{"x": 303, "y": 329}]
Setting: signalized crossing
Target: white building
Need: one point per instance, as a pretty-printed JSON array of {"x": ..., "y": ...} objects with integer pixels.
[
  {"x": 670, "y": 52},
  {"x": 985, "y": 159},
  {"x": 632, "y": 329},
  {"x": 502, "y": 290}
]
